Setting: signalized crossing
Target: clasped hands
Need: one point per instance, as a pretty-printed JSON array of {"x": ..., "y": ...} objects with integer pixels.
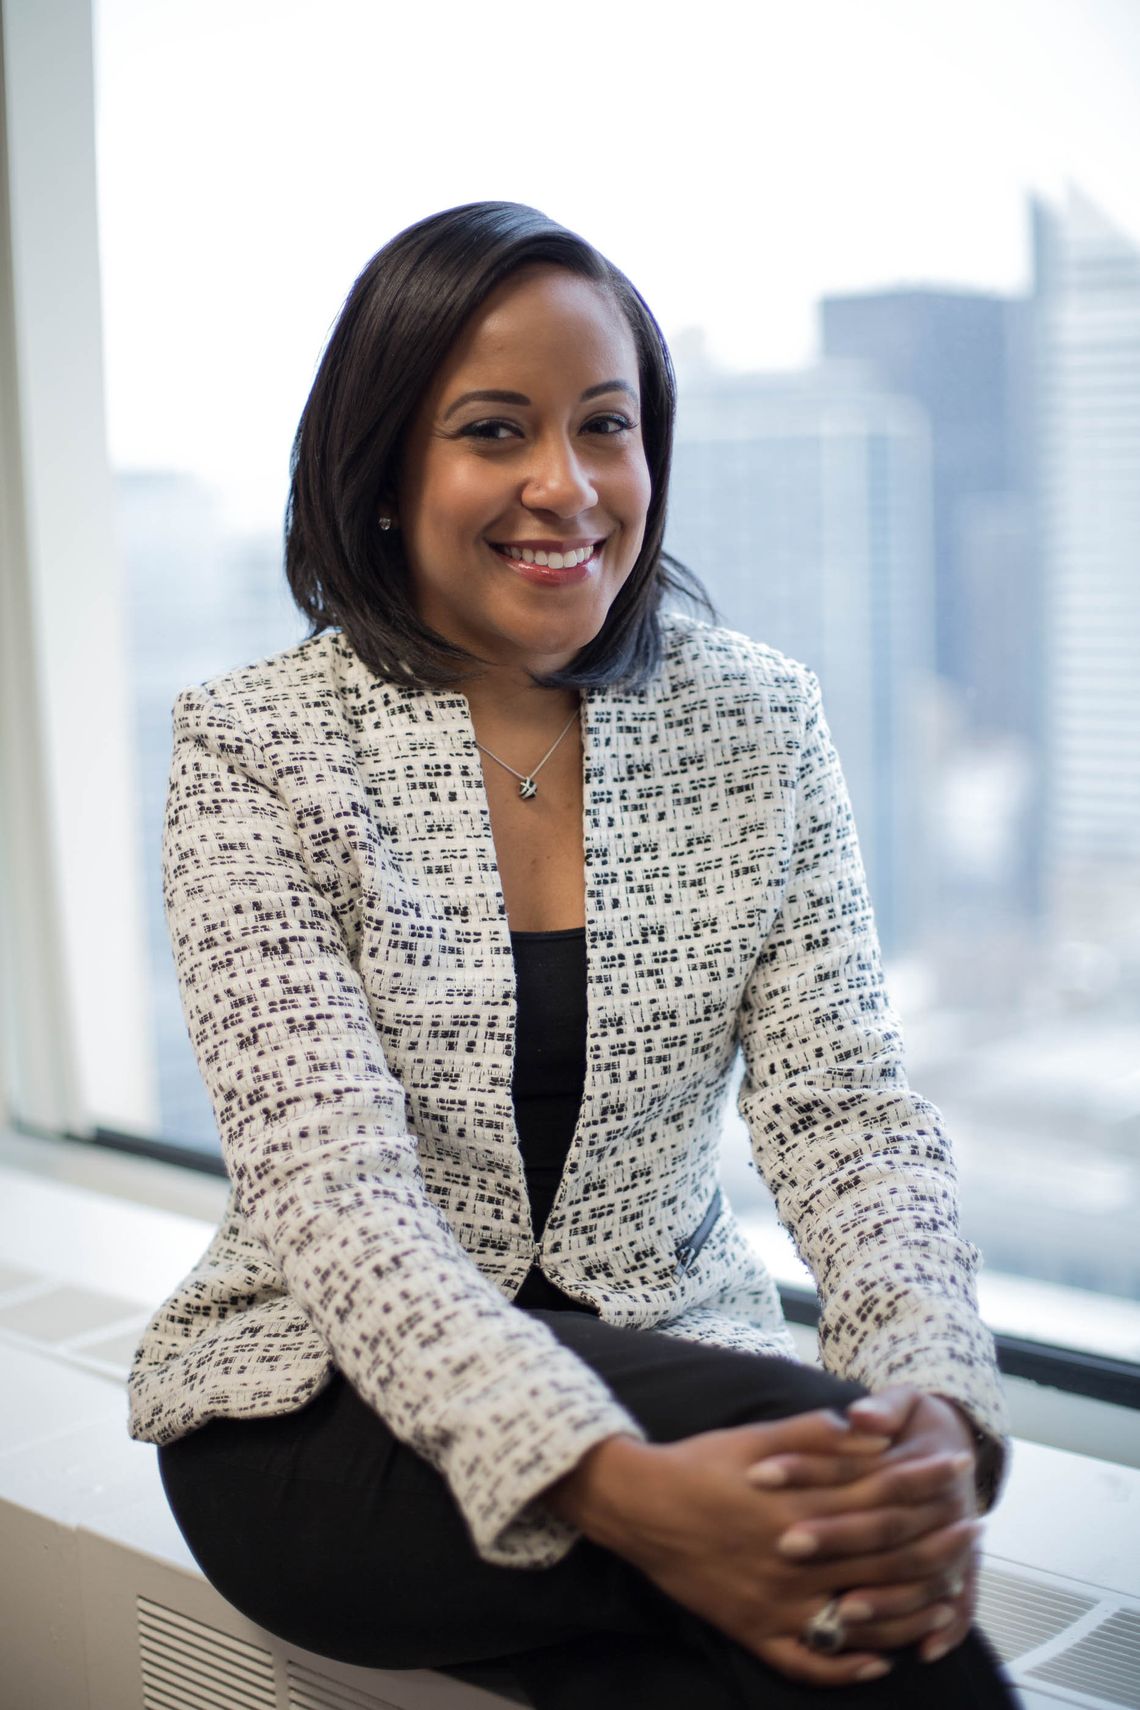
[{"x": 756, "y": 1528}]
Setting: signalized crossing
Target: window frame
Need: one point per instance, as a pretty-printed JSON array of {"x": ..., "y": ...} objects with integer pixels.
[{"x": 65, "y": 751}]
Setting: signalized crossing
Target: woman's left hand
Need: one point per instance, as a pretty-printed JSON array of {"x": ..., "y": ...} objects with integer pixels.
[{"x": 887, "y": 1617}]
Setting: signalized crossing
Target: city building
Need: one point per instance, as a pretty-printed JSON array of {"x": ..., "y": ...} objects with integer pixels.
[
  {"x": 803, "y": 502},
  {"x": 966, "y": 358},
  {"x": 1087, "y": 340},
  {"x": 963, "y": 356}
]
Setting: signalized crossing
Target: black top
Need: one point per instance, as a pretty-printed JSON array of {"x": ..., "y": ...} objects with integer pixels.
[{"x": 550, "y": 1071}]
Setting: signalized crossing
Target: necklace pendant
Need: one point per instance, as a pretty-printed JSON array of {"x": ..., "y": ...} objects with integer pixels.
[{"x": 528, "y": 789}]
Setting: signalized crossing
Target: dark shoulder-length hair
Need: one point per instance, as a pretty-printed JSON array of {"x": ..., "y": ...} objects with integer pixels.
[{"x": 399, "y": 321}]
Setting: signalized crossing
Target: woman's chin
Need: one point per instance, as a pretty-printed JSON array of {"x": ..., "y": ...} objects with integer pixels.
[
  {"x": 549, "y": 655},
  {"x": 545, "y": 647}
]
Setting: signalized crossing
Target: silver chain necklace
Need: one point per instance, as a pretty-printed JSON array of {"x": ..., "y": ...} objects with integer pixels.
[{"x": 528, "y": 789}]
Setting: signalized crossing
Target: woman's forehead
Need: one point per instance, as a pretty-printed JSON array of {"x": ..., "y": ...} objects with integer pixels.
[{"x": 544, "y": 319}]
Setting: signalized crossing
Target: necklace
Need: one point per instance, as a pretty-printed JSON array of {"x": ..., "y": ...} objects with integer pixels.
[{"x": 528, "y": 789}]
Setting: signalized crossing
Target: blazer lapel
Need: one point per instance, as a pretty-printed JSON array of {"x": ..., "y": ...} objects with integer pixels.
[
  {"x": 441, "y": 967},
  {"x": 436, "y": 953}
]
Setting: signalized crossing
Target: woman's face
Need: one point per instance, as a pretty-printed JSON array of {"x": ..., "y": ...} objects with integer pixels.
[{"x": 525, "y": 485}]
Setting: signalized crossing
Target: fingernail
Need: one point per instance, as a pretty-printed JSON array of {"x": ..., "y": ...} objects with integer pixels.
[
  {"x": 869, "y": 1409},
  {"x": 873, "y": 1671},
  {"x": 936, "y": 1650},
  {"x": 941, "y": 1617},
  {"x": 865, "y": 1443},
  {"x": 767, "y": 1472},
  {"x": 963, "y": 1462},
  {"x": 797, "y": 1544},
  {"x": 856, "y": 1610}
]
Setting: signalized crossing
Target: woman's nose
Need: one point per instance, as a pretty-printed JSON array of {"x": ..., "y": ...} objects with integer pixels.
[{"x": 558, "y": 481}]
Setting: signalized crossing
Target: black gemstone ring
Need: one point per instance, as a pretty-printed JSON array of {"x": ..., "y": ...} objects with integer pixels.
[{"x": 825, "y": 1632}]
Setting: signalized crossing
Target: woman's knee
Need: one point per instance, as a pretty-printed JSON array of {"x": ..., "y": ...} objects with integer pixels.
[{"x": 675, "y": 1388}]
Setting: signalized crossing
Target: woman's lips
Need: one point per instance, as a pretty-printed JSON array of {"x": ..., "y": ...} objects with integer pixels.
[{"x": 569, "y": 564}]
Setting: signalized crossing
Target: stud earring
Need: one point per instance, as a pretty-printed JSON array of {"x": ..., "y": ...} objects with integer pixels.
[{"x": 384, "y": 522}]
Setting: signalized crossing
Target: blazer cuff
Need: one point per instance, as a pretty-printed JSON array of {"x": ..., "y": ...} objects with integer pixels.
[
  {"x": 509, "y": 1523},
  {"x": 991, "y": 1456},
  {"x": 953, "y": 1360}
]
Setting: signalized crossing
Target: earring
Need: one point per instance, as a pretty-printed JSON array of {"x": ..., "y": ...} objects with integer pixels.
[{"x": 384, "y": 522}]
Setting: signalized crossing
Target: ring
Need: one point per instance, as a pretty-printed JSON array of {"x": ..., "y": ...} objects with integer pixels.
[
  {"x": 954, "y": 1584},
  {"x": 825, "y": 1633}
]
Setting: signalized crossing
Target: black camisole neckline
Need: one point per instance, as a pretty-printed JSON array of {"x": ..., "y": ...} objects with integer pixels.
[{"x": 549, "y": 1075}]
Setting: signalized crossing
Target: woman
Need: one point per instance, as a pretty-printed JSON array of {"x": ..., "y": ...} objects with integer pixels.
[{"x": 474, "y": 897}]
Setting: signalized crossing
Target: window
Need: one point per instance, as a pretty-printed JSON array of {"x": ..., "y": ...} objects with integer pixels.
[{"x": 908, "y": 453}]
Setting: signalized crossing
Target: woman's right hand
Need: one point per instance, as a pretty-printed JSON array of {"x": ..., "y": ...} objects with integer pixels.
[{"x": 687, "y": 1516}]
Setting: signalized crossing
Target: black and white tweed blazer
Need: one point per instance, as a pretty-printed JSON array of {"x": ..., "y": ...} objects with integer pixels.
[{"x": 346, "y": 970}]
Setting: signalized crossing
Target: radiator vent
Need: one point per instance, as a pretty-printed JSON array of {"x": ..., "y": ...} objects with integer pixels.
[
  {"x": 187, "y": 1665},
  {"x": 1106, "y": 1662},
  {"x": 1056, "y": 1635},
  {"x": 309, "y": 1690},
  {"x": 85, "y": 1327},
  {"x": 1017, "y": 1614}
]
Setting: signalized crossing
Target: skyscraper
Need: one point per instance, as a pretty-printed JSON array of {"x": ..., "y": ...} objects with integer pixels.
[
  {"x": 962, "y": 356},
  {"x": 802, "y": 500},
  {"x": 966, "y": 359},
  {"x": 1087, "y": 316}
]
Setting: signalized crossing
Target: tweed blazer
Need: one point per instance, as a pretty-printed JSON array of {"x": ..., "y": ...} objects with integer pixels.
[{"x": 345, "y": 964}]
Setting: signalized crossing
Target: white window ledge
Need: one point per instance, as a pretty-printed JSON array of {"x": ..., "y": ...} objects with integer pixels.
[{"x": 90, "y": 1240}]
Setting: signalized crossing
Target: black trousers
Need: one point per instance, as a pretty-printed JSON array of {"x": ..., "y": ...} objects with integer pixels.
[{"x": 323, "y": 1528}]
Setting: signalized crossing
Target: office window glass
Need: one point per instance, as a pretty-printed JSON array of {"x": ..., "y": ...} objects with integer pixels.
[{"x": 907, "y": 334}]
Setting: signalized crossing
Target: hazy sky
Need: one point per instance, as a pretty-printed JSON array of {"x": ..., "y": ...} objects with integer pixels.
[{"x": 736, "y": 160}]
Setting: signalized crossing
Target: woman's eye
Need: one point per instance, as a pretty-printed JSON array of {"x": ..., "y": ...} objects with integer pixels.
[
  {"x": 612, "y": 422},
  {"x": 488, "y": 430}
]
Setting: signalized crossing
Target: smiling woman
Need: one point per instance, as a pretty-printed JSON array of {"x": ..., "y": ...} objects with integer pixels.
[
  {"x": 522, "y": 528},
  {"x": 479, "y": 1302},
  {"x": 428, "y": 324}
]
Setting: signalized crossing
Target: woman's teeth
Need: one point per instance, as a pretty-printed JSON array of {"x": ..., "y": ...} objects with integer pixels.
[{"x": 551, "y": 560}]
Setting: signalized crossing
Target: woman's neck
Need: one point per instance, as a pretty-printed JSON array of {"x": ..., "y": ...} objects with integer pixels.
[{"x": 502, "y": 700}]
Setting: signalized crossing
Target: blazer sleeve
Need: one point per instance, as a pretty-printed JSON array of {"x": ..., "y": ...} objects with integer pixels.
[
  {"x": 314, "y": 1136},
  {"x": 860, "y": 1166}
]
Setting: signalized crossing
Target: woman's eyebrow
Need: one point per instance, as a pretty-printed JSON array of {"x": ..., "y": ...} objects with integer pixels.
[
  {"x": 495, "y": 397},
  {"x": 608, "y": 386}
]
